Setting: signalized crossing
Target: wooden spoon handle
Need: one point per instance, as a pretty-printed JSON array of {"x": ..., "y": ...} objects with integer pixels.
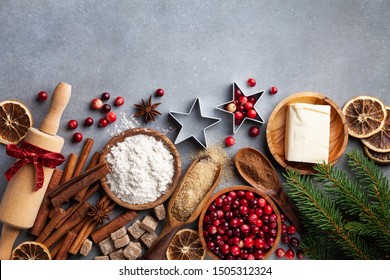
[
  {"x": 8, "y": 237},
  {"x": 159, "y": 248},
  {"x": 60, "y": 99},
  {"x": 288, "y": 208}
]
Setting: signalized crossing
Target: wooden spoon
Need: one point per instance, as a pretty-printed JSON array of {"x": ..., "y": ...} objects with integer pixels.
[
  {"x": 266, "y": 179},
  {"x": 172, "y": 226}
]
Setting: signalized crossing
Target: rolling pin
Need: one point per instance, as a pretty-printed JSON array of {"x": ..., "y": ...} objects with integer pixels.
[{"x": 20, "y": 203}]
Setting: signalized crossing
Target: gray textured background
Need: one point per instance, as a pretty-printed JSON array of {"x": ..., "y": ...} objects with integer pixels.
[{"x": 191, "y": 49}]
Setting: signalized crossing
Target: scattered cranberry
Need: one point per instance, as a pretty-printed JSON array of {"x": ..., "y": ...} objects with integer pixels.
[
  {"x": 251, "y": 82},
  {"x": 96, "y": 104},
  {"x": 248, "y": 106},
  {"x": 88, "y": 122},
  {"x": 291, "y": 229},
  {"x": 77, "y": 137},
  {"x": 105, "y": 96},
  {"x": 300, "y": 255},
  {"x": 280, "y": 253},
  {"x": 103, "y": 122},
  {"x": 73, "y": 124},
  {"x": 238, "y": 115},
  {"x": 111, "y": 117},
  {"x": 273, "y": 90},
  {"x": 231, "y": 107},
  {"x": 290, "y": 254},
  {"x": 251, "y": 114},
  {"x": 42, "y": 96},
  {"x": 229, "y": 141},
  {"x": 119, "y": 101},
  {"x": 160, "y": 92},
  {"x": 106, "y": 108},
  {"x": 243, "y": 99},
  {"x": 285, "y": 239},
  {"x": 282, "y": 217},
  {"x": 294, "y": 242},
  {"x": 254, "y": 131}
]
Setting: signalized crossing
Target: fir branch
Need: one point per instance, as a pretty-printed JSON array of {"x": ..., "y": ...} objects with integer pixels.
[
  {"x": 317, "y": 247},
  {"x": 318, "y": 210}
]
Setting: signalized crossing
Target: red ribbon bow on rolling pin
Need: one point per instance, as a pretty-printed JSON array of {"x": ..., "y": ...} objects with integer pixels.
[{"x": 28, "y": 153}]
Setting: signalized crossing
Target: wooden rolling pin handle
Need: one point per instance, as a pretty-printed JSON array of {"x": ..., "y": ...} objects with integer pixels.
[
  {"x": 60, "y": 99},
  {"x": 159, "y": 248},
  {"x": 8, "y": 237}
]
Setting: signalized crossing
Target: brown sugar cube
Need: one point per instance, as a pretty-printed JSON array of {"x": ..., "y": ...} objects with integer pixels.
[
  {"x": 149, "y": 238},
  {"x": 118, "y": 233},
  {"x": 159, "y": 212},
  {"x": 117, "y": 255},
  {"x": 149, "y": 224},
  {"x": 132, "y": 251},
  {"x": 107, "y": 246},
  {"x": 135, "y": 230},
  {"x": 86, "y": 247},
  {"x": 122, "y": 242},
  {"x": 102, "y": 258}
]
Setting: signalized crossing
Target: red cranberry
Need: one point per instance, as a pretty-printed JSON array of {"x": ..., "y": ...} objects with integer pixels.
[
  {"x": 285, "y": 239},
  {"x": 265, "y": 228},
  {"x": 252, "y": 218},
  {"x": 96, "y": 104},
  {"x": 218, "y": 201},
  {"x": 77, "y": 137},
  {"x": 280, "y": 253},
  {"x": 232, "y": 194},
  {"x": 259, "y": 211},
  {"x": 245, "y": 228},
  {"x": 265, "y": 219},
  {"x": 243, "y": 99},
  {"x": 294, "y": 242},
  {"x": 249, "y": 242},
  {"x": 268, "y": 209},
  {"x": 230, "y": 141},
  {"x": 251, "y": 114},
  {"x": 255, "y": 229},
  {"x": 111, "y": 117},
  {"x": 259, "y": 222},
  {"x": 160, "y": 92},
  {"x": 282, "y": 217},
  {"x": 252, "y": 100},
  {"x": 233, "y": 222},
  {"x": 119, "y": 101},
  {"x": 244, "y": 202},
  {"x": 273, "y": 225},
  {"x": 272, "y": 232},
  {"x": 290, "y": 254},
  {"x": 248, "y": 106},
  {"x": 243, "y": 209},
  {"x": 42, "y": 96},
  {"x": 106, "y": 108},
  {"x": 251, "y": 82},
  {"x": 291, "y": 229},
  {"x": 212, "y": 229},
  {"x": 103, "y": 122},
  {"x": 261, "y": 202},
  {"x": 211, "y": 245},
  {"x": 250, "y": 257},
  {"x": 259, "y": 254},
  {"x": 73, "y": 124},
  {"x": 229, "y": 215},
  {"x": 249, "y": 195},
  {"x": 300, "y": 255},
  {"x": 88, "y": 122},
  {"x": 237, "y": 93},
  {"x": 226, "y": 207},
  {"x": 273, "y": 217},
  {"x": 238, "y": 115},
  {"x": 284, "y": 228},
  {"x": 235, "y": 250},
  {"x": 259, "y": 243},
  {"x": 254, "y": 131},
  {"x": 273, "y": 90},
  {"x": 220, "y": 213},
  {"x": 105, "y": 96}
]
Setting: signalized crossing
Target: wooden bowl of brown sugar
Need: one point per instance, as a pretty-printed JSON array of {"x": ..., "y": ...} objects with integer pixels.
[
  {"x": 230, "y": 224},
  {"x": 145, "y": 168}
]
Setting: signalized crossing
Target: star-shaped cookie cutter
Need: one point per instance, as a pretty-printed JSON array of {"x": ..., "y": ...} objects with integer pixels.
[
  {"x": 258, "y": 118},
  {"x": 193, "y": 124}
]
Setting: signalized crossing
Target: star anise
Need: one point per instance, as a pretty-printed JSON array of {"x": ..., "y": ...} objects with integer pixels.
[
  {"x": 99, "y": 213},
  {"x": 147, "y": 110}
]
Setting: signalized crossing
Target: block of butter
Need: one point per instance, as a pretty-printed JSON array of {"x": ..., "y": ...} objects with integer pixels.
[{"x": 307, "y": 133}]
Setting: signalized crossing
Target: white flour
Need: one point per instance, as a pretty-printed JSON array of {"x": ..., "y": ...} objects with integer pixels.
[{"x": 141, "y": 169}]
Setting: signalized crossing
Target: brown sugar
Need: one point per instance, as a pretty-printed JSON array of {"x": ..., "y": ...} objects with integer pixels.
[{"x": 195, "y": 187}]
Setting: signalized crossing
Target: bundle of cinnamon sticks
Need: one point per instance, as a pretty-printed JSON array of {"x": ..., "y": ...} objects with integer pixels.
[{"x": 66, "y": 218}]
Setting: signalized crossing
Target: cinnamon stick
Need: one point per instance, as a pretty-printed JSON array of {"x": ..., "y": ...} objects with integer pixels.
[
  {"x": 83, "y": 157},
  {"x": 44, "y": 209},
  {"x": 70, "y": 223},
  {"x": 69, "y": 168},
  {"x": 92, "y": 163},
  {"x": 73, "y": 186},
  {"x": 64, "y": 249},
  {"x": 51, "y": 225},
  {"x": 105, "y": 231},
  {"x": 55, "y": 249}
]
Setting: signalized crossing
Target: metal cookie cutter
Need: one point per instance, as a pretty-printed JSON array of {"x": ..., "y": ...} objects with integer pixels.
[
  {"x": 257, "y": 95},
  {"x": 193, "y": 124}
]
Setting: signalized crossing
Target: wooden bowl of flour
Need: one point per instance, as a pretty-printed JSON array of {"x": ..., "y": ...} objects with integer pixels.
[{"x": 115, "y": 195}]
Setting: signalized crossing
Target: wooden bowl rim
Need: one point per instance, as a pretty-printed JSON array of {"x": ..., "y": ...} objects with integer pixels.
[
  {"x": 166, "y": 142},
  {"x": 281, "y": 160},
  {"x": 238, "y": 188}
]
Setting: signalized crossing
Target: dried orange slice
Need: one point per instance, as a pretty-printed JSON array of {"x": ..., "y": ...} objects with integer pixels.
[
  {"x": 380, "y": 141},
  {"x": 15, "y": 120},
  {"x": 365, "y": 116},
  {"x": 30, "y": 250},
  {"x": 380, "y": 158},
  {"x": 186, "y": 245}
]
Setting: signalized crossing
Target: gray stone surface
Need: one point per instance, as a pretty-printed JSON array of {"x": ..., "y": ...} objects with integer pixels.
[{"x": 191, "y": 49}]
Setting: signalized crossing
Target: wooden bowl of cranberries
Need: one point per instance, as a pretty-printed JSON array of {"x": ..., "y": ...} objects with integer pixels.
[{"x": 240, "y": 223}]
